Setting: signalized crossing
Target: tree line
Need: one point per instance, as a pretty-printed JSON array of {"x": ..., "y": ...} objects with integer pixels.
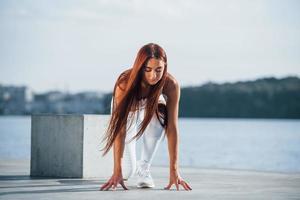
[{"x": 261, "y": 98}]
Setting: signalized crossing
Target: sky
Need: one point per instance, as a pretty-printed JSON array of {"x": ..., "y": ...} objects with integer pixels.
[{"x": 82, "y": 45}]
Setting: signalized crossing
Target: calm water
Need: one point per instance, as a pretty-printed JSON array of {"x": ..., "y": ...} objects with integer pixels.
[{"x": 255, "y": 144}]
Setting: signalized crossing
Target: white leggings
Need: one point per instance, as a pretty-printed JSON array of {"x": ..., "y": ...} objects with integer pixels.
[{"x": 151, "y": 138}]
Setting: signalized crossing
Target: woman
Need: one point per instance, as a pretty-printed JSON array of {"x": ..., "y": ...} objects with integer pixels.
[{"x": 144, "y": 104}]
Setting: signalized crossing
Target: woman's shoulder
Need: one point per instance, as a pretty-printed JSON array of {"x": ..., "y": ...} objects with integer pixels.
[
  {"x": 171, "y": 85},
  {"x": 122, "y": 79}
]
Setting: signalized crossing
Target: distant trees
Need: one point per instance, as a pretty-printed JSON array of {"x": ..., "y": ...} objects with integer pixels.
[{"x": 262, "y": 98}]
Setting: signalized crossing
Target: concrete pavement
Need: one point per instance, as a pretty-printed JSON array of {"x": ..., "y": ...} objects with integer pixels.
[{"x": 15, "y": 183}]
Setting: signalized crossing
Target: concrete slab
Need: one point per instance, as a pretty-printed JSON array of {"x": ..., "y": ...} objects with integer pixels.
[
  {"x": 15, "y": 183},
  {"x": 68, "y": 145}
]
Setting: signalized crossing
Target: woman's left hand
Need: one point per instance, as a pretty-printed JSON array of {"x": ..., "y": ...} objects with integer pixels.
[{"x": 177, "y": 180}]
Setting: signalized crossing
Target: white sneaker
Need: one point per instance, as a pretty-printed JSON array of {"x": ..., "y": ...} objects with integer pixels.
[
  {"x": 144, "y": 177},
  {"x": 145, "y": 180}
]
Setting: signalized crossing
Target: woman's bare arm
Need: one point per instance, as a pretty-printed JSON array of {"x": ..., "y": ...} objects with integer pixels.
[
  {"x": 172, "y": 130},
  {"x": 118, "y": 149},
  {"x": 119, "y": 143},
  {"x": 173, "y": 94}
]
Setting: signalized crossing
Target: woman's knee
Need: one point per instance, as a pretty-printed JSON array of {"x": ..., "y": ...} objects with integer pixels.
[
  {"x": 129, "y": 172},
  {"x": 132, "y": 170},
  {"x": 154, "y": 130}
]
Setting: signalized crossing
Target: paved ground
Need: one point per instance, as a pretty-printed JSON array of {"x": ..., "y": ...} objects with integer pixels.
[{"x": 15, "y": 183}]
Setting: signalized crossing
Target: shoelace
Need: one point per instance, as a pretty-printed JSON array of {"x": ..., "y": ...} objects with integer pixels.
[
  {"x": 143, "y": 170},
  {"x": 143, "y": 173}
]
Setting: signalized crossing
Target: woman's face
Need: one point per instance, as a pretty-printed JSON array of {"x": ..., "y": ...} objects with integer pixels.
[{"x": 153, "y": 71}]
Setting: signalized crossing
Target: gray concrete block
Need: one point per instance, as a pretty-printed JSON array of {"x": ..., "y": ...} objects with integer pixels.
[{"x": 69, "y": 146}]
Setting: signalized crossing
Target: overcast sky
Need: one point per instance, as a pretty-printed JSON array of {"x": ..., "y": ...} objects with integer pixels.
[{"x": 84, "y": 45}]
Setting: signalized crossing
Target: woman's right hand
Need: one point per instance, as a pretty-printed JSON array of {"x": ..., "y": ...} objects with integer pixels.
[{"x": 116, "y": 178}]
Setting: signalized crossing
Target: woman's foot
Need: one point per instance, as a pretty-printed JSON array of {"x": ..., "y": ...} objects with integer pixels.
[
  {"x": 145, "y": 180},
  {"x": 144, "y": 176}
]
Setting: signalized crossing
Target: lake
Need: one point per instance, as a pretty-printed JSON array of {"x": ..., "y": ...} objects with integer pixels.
[{"x": 250, "y": 144}]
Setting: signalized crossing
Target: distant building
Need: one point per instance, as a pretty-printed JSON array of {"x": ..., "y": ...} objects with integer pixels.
[
  {"x": 59, "y": 102},
  {"x": 21, "y": 100},
  {"x": 15, "y": 100}
]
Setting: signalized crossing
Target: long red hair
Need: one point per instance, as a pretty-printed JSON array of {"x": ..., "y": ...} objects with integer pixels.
[{"x": 132, "y": 78}]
